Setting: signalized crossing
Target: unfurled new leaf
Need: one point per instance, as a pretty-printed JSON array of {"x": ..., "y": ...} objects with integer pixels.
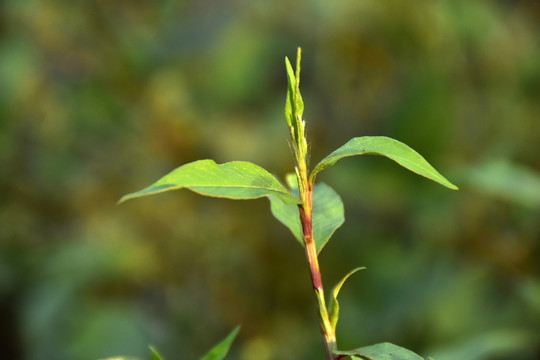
[
  {"x": 328, "y": 213},
  {"x": 294, "y": 106},
  {"x": 233, "y": 180},
  {"x": 220, "y": 350},
  {"x": 290, "y": 102},
  {"x": 382, "y": 351},
  {"x": 333, "y": 306},
  {"x": 393, "y": 149}
]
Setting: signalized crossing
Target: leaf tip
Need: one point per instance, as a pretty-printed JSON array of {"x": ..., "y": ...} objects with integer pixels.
[
  {"x": 288, "y": 62},
  {"x": 154, "y": 353},
  {"x": 127, "y": 197},
  {"x": 123, "y": 199},
  {"x": 448, "y": 184}
]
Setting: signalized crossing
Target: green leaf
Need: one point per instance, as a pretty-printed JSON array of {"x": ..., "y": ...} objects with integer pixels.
[
  {"x": 328, "y": 213},
  {"x": 382, "y": 351},
  {"x": 333, "y": 306},
  {"x": 232, "y": 180},
  {"x": 393, "y": 149},
  {"x": 291, "y": 86},
  {"x": 297, "y": 95},
  {"x": 155, "y": 355},
  {"x": 289, "y": 215},
  {"x": 219, "y": 351},
  {"x": 294, "y": 105}
]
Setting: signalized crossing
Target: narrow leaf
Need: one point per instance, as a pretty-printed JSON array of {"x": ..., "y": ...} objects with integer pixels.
[
  {"x": 232, "y": 180},
  {"x": 291, "y": 86},
  {"x": 393, "y": 149},
  {"x": 333, "y": 306},
  {"x": 155, "y": 355},
  {"x": 294, "y": 106},
  {"x": 382, "y": 351},
  {"x": 220, "y": 350},
  {"x": 328, "y": 213},
  {"x": 297, "y": 95}
]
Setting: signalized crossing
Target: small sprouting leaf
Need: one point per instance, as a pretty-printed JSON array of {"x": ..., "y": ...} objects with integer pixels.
[
  {"x": 298, "y": 96},
  {"x": 219, "y": 351},
  {"x": 333, "y": 306},
  {"x": 385, "y": 146},
  {"x": 328, "y": 213},
  {"x": 155, "y": 355},
  {"x": 233, "y": 180},
  {"x": 291, "y": 86},
  {"x": 382, "y": 351},
  {"x": 294, "y": 105}
]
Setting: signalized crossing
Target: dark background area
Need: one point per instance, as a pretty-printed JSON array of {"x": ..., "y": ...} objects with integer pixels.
[{"x": 100, "y": 98}]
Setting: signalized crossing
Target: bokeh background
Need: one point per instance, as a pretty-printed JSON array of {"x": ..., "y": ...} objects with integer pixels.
[{"x": 99, "y": 98}]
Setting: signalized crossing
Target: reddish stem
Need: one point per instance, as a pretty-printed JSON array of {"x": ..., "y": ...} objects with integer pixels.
[{"x": 306, "y": 217}]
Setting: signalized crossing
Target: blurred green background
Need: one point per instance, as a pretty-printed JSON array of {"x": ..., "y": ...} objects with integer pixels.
[{"x": 99, "y": 98}]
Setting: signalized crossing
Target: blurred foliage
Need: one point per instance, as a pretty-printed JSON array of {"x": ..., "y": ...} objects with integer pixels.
[{"x": 99, "y": 98}]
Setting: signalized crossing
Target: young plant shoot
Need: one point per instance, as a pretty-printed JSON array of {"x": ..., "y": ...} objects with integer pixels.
[{"x": 312, "y": 211}]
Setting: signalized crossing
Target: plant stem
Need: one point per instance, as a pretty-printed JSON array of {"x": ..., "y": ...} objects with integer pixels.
[
  {"x": 293, "y": 112},
  {"x": 306, "y": 216}
]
